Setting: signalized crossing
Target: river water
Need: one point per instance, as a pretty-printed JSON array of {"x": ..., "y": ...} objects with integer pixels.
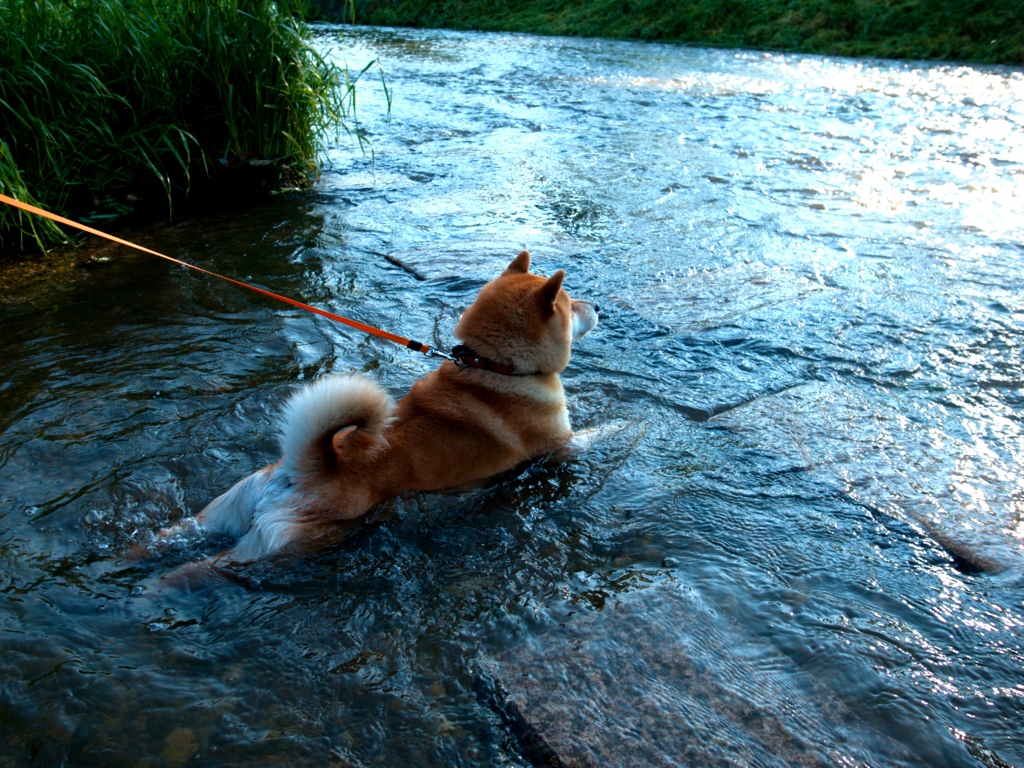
[{"x": 810, "y": 278}]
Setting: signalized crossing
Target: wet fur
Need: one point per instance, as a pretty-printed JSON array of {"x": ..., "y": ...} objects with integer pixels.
[{"x": 346, "y": 446}]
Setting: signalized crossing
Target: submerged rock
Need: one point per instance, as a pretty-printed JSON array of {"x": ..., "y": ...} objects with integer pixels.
[
  {"x": 179, "y": 746},
  {"x": 948, "y": 486},
  {"x": 660, "y": 679}
]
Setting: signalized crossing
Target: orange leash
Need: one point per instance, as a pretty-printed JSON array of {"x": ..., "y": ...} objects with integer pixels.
[{"x": 409, "y": 343}]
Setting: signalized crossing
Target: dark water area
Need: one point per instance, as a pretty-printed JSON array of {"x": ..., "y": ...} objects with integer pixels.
[{"x": 803, "y": 545}]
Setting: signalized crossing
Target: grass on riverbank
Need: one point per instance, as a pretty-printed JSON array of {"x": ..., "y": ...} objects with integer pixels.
[
  {"x": 989, "y": 31},
  {"x": 106, "y": 106}
]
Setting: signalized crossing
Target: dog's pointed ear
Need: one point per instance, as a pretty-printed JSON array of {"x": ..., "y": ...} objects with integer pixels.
[
  {"x": 520, "y": 265},
  {"x": 549, "y": 291}
]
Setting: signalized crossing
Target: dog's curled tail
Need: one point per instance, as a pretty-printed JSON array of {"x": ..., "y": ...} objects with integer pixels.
[{"x": 331, "y": 407}]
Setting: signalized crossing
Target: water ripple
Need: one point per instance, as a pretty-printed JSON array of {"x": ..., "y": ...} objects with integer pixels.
[{"x": 811, "y": 334}]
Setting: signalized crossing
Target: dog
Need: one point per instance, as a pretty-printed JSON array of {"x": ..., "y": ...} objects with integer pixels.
[{"x": 346, "y": 446}]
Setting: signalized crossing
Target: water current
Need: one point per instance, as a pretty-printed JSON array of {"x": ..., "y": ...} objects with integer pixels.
[{"x": 803, "y": 545}]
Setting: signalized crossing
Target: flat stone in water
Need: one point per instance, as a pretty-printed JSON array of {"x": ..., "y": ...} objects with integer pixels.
[
  {"x": 881, "y": 458},
  {"x": 660, "y": 679}
]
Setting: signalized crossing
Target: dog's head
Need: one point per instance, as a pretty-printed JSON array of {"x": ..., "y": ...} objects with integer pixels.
[{"x": 525, "y": 321}]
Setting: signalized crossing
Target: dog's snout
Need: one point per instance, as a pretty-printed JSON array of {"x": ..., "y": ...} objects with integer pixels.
[
  {"x": 584, "y": 318},
  {"x": 597, "y": 309}
]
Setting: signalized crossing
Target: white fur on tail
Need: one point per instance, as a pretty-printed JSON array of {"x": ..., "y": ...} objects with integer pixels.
[
  {"x": 259, "y": 510},
  {"x": 321, "y": 409}
]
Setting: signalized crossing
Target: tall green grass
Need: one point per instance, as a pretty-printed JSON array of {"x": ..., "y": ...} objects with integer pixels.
[
  {"x": 990, "y": 31},
  {"x": 106, "y": 103}
]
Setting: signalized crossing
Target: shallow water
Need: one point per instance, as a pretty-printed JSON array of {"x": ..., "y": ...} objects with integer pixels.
[{"x": 812, "y": 327}]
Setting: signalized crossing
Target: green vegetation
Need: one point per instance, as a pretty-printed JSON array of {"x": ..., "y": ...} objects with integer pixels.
[
  {"x": 112, "y": 106},
  {"x": 990, "y": 31}
]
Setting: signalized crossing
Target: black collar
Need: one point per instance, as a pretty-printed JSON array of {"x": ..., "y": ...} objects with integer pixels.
[{"x": 464, "y": 357}]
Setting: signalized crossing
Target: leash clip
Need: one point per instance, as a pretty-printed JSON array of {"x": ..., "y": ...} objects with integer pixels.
[
  {"x": 464, "y": 357},
  {"x": 460, "y": 355},
  {"x": 435, "y": 352}
]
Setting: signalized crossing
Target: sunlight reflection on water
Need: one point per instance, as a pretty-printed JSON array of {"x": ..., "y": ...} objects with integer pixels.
[{"x": 809, "y": 271}]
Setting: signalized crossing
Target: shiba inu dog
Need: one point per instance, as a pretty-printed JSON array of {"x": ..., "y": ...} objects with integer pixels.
[{"x": 346, "y": 446}]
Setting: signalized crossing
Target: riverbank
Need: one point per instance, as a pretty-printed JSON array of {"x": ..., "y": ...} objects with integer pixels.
[
  {"x": 113, "y": 109},
  {"x": 961, "y": 30}
]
